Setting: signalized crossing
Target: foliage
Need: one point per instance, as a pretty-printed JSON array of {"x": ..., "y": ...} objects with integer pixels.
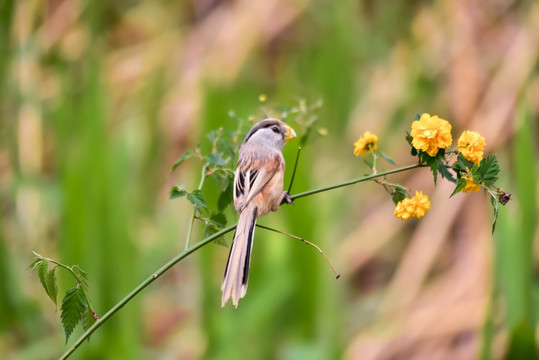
[{"x": 75, "y": 306}]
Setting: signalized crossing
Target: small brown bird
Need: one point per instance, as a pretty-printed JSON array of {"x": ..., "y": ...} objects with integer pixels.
[{"x": 258, "y": 189}]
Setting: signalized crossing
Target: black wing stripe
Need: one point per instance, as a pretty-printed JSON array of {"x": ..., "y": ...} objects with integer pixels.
[
  {"x": 247, "y": 263},
  {"x": 252, "y": 178},
  {"x": 240, "y": 184},
  {"x": 229, "y": 254}
]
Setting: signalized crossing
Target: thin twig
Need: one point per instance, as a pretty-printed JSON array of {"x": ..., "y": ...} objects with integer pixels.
[
  {"x": 337, "y": 275},
  {"x": 208, "y": 240},
  {"x": 190, "y": 229},
  {"x": 355, "y": 181},
  {"x": 143, "y": 285},
  {"x": 294, "y": 172}
]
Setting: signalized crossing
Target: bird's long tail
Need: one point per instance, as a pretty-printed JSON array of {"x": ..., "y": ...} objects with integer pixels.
[{"x": 237, "y": 267}]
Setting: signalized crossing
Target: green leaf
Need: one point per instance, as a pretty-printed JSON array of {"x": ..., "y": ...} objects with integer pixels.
[
  {"x": 43, "y": 272},
  {"x": 398, "y": 195},
  {"x": 209, "y": 230},
  {"x": 216, "y": 159},
  {"x": 88, "y": 318},
  {"x": 52, "y": 286},
  {"x": 225, "y": 198},
  {"x": 446, "y": 174},
  {"x": 417, "y": 117},
  {"x": 177, "y": 191},
  {"x": 186, "y": 155},
  {"x": 488, "y": 170},
  {"x": 461, "y": 183},
  {"x": 218, "y": 220},
  {"x": 73, "y": 306},
  {"x": 387, "y": 158},
  {"x": 197, "y": 199},
  {"x": 463, "y": 163},
  {"x": 435, "y": 163},
  {"x": 223, "y": 179},
  {"x": 434, "y": 168},
  {"x": 35, "y": 263},
  {"x": 495, "y": 207},
  {"x": 409, "y": 140}
]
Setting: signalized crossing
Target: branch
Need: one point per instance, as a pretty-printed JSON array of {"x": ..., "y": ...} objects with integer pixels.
[
  {"x": 355, "y": 181},
  {"x": 188, "y": 251},
  {"x": 143, "y": 285}
]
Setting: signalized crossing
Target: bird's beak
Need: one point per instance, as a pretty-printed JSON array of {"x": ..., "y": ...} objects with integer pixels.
[{"x": 290, "y": 133}]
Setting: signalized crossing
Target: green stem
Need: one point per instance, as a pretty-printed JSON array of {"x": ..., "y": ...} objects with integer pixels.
[
  {"x": 190, "y": 229},
  {"x": 143, "y": 285},
  {"x": 190, "y": 250},
  {"x": 355, "y": 181}
]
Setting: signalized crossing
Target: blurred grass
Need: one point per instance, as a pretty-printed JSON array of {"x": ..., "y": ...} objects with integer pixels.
[
  {"x": 515, "y": 250},
  {"x": 98, "y": 100}
]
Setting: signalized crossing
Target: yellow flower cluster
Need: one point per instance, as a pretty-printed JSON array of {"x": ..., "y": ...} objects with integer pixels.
[
  {"x": 415, "y": 206},
  {"x": 471, "y": 146},
  {"x": 430, "y": 134},
  {"x": 470, "y": 185},
  {"x": 365, "y": 144}
]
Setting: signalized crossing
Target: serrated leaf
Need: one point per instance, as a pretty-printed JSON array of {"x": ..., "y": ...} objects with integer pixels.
[
  {"x": 73, "y": 306},
  {"x": 88, "y": 318},
  {"x": 446, "y": 174},
  {"x": 225, "y": 198},
  {"x": 461, "y": 183},
  {"x": 186, "y": 155},
  {"x": 387, "y": 158},
  {"x": 42, "y": 272},
  {"x": 398, "y": 195},
  {"x": 434, "y": 169},
  {"x": 409, "y": 140},
  {"x": 177, "y": 191},
  {"x": 35, "y": 263},
  {"x": 209, "y": 230},
  {"x": 222, "y": 178},
  {"x": 52, "y": 286},
  {"x": 488, "y": 170},
  {"x": 216, "y": 159},
  {"x": 218, "y": 220},
  {"x": 197, "y": 199},
  {"x": 494, "y": 203},
  {"x": 463, "y": 163}
]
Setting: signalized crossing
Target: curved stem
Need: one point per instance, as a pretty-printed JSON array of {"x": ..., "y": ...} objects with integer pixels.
[
  {"x": 189, "y": 250},
  {"x": 355, "y": 181},
  {"x": 143, "y": 285}
]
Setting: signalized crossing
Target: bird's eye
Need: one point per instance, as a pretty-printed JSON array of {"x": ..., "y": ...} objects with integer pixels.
[{"x": 275, "y": 129}]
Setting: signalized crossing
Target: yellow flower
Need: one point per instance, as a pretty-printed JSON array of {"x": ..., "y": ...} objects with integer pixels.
[
  {"x": 415, "y": 206},
  {"x": 431, "y": 133},
  {"x": 262, "y": 97},
  {"x": 365, "y": 144},
  {"x": 470, "y": 185},
  {"x": 471, "y": 145}
]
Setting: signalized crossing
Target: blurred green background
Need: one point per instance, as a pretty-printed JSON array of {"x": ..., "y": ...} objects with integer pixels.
[{"x": 98, "y": 99}]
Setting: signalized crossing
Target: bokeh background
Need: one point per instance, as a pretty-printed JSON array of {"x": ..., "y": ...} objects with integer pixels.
[{"x": 99, "y": 98}]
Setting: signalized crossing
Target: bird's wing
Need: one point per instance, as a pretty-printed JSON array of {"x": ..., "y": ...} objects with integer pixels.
[{"x": 248, "y": 183}]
